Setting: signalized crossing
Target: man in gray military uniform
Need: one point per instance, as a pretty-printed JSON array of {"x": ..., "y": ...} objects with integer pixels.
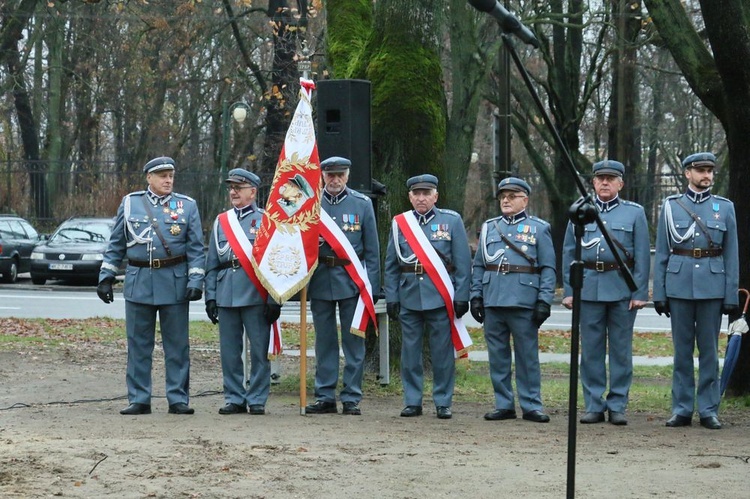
[
  {"x": 608, "y": 308},
  {"x": 414, "y": 300},
  {"x": 236, "y": 300},
  {"x": 160, "y": 233},
  {"x": 331, "y": 285},
  {"x": 696, "y": 279},
  {"x": 512, "y": 286}
]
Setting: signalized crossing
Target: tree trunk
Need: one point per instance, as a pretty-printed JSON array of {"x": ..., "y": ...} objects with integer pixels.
[
  {"x": 624, "y": 137},
  {"x": 10, "y": 57},
  {"x": 281, "y": 98}
]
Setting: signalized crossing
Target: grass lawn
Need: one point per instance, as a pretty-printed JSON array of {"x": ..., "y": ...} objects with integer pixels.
[{"x": 650, "y": 392}]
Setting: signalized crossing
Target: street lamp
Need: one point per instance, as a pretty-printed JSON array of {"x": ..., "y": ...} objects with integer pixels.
[{"x": 238, "y": 111}]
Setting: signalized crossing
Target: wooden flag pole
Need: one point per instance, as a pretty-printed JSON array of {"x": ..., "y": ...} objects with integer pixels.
[{"x": 303, "y": 351}]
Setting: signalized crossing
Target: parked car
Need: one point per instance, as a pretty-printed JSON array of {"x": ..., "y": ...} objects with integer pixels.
[
  {"x": 73, "y": 252},
  {"x": 17, "y": 240}
]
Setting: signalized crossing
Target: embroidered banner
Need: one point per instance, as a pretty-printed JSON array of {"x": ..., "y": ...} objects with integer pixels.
[{"x": 285, "y": 253}]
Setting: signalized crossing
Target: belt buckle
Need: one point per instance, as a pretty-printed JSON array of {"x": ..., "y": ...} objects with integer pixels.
[
  {"x": 503, "y": 268},
  {"x": 330, "y": 261},
  {"x": 155, "y": 263},
  {"x": 236, "y": 263},
  {"x": 697, "y": 253},
  {"x": 600, "y": 266},
  {"x": 418, "y": 268}
]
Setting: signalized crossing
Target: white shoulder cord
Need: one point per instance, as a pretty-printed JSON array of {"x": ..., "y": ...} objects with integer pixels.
[
  {"x": 489, "y": 258},
  {"x": 672, "y": 230},
  {"x": 220, "y": 249},
  {"x": 411, "y": 259},
  {"x": 137, "y": 238}
]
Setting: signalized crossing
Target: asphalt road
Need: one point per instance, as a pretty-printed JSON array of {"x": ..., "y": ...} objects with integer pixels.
[{"x": 56, "y": 300}]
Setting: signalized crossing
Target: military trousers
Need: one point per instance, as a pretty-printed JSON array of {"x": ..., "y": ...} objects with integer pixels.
[
  {"x": 606, "y": 326},
  {"x": 695, "y": 322},
  {"x": 414, "y": 324},
  {"x": 327, "y": 350},
  {"x": 234, "y": 324},
  {"x": 140, "y": 326},
  {"x": 500, "y": 323}
]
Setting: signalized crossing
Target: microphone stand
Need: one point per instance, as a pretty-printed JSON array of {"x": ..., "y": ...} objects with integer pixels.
[{"x": 581, "y": 212}]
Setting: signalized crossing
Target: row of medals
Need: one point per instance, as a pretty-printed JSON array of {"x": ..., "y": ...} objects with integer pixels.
[{"x": 351, "y": 222}]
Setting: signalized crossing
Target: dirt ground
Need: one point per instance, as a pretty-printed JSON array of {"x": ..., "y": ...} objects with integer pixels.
[{"x": 56, "y": 441}]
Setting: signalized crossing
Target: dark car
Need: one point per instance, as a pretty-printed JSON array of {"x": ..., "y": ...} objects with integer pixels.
[
  {"x": 73, "y": 252},
  {"x": 17, "y": 240}
]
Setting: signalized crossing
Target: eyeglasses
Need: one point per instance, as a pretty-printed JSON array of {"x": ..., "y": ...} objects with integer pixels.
[
  {"x": 238, "y": 188},
  {"x": 510, "y": 197}
]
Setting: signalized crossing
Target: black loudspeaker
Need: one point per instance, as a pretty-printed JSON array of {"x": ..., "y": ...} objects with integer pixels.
[{"x": 343, "y": 110}]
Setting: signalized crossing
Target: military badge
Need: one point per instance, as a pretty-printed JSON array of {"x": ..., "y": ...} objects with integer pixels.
[{"x": 175, "y": 230}]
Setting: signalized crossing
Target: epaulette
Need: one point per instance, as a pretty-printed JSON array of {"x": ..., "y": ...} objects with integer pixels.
[
  {"x": 448, "y": 212},
  {"x": 721, "y": 198},
  {"x": 358, "y": 194},
  {"x": 630, "y": 203},
  {"x": 137, "y": 193},
  {"x": 543, "y": 222},
  {"x": 674, "y": 196},
  {"x": 178, "y": 195},
  {"x": 260, "y": 210}
]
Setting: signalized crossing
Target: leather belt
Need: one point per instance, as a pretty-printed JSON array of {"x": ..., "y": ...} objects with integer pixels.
[
  {"x": 158, "y": 263},
  {"x": 332, "y": 261},
  {"x": 232, "y": 263},
  {"x": 698, "y": 252},
  {"x": 417, "y": 268},
  {"x": 506, "y": 268},
  {"x": 606, "y": 266}
]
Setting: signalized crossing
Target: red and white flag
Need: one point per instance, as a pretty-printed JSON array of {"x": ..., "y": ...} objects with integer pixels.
[{"x": 285, "y": 253}]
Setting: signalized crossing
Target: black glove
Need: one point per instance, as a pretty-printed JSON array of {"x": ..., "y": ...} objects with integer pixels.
[
  {"x": 477, "y": 309},
  {"x": 212, "y": 311},
  {"x": 460, "y": 307},
  {"x": 271, "y": 312},
  {"x": 541, "y": 313},
  {"x": 730, "y": 310},
  {"x": 393, "y": 309},
  {"x": 662, "y": 307},
  {"x": 377, "y": 296},
  {"x": 104, "y": 290},
  {"x": 193, "y": 294}
]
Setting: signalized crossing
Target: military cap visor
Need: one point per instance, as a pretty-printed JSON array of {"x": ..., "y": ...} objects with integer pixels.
[
  {"x": 335, "y": 164},
  {"x": 609, "y": 167},
  {"x": 701, "y": 159},
  {"x": 240, "y": 176},
  {"x": 425, "y": 181},
  {"x": 159, "y": 164},
  {"x": 513, "y": 184}
]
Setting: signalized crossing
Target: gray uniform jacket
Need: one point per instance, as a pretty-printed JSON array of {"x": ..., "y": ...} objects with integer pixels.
[
  {"x": 133, "y": 236},
  {"x": 626, "y": 222},
  {"x": 231, "y": 287},
  {"x": 354, "y": 214},
  {"x": 688, "y": 278},
  {"x": 532, "y": 236},
  {"x": 445, "y": 231}
]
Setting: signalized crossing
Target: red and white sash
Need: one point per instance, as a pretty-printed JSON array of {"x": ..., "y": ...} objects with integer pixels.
[
  {"x": 434, "y": 266},
  {"x": 364, "y": 314},
  {"x": 242, "y": 249}
]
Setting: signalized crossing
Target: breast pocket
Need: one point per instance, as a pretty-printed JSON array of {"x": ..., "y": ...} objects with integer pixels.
[
  {"x": 623, "y": 232},
  {"x": 716, "y": 229}
]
